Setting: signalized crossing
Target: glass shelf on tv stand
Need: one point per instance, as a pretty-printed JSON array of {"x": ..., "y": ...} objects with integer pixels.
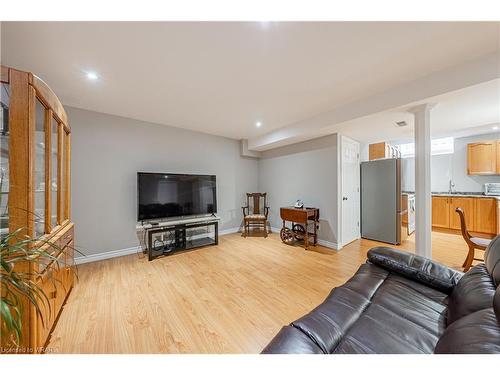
[{"x": 167, "y": 240}]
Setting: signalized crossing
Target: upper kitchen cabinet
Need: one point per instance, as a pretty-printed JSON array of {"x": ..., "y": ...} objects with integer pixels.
[
  {"x": 482, "y": 158},
  {"x": 378, "y": 150},
  {"x": 382, "y": 150}
]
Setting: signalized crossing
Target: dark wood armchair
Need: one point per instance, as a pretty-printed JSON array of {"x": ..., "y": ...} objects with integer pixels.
[
  {"x": 255, "y": 212},
  {"x": 473, "y": 242}
]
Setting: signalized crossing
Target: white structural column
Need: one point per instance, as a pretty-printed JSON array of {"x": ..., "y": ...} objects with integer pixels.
[{"x": 423, "y": 199}]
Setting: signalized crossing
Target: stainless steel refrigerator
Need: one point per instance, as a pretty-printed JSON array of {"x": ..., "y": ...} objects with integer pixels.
[{"x": 381, "y": 200}]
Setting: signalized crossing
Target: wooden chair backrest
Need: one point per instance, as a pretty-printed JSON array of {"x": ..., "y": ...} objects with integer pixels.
[
  {"x": 256, "y": 203},
  {"x": 463, "y": 225}
]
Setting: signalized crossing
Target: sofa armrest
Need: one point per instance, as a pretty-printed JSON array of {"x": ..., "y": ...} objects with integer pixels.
[
  {"x": 414, "y": 267},
  {"x": 291, "y": 340}
]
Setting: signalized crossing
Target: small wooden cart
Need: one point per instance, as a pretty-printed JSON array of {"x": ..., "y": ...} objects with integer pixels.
[{"x": 301, "y": 219}]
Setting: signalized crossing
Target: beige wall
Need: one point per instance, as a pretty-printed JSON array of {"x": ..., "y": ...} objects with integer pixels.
[{"x": 108, "y": 151}]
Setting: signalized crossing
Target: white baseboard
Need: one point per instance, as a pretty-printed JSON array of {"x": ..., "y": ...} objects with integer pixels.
[
  {"x": 128, "y": 251},
  {"x": 107, "y": 255},
  {"x": 136, "y": 249},
  {"x": 229, "y": 231},
  {"x": 330, "y": 245}
]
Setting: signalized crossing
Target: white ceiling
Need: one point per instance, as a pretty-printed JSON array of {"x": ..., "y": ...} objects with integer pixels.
[
  {"x": 469, "y": 111},
  {"x": 220, "y": 78}
]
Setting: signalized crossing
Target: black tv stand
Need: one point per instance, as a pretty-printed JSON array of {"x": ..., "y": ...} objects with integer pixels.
[{"x": 166, "y": 239}]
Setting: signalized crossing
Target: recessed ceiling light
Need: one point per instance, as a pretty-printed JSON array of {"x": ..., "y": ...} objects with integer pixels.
[
  {"x": 495, "y": 127},
  {"x": 258, "y": 124},
  {"x": 92, "y": 76}
]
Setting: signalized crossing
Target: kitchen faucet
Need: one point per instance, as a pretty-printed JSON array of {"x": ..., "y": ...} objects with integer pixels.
[{"x": 451, "y": 185}]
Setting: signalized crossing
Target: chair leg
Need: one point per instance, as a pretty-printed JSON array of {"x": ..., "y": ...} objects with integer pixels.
[
  {"x": 245, "y": 229},
  {"x": 470, "y": 257},
  {"x": 471, "y": 251},
  {"x": 265, "y": 229}
]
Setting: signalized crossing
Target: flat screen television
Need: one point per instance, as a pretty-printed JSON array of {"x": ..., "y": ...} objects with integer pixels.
[{"x": 165, "y": 195}]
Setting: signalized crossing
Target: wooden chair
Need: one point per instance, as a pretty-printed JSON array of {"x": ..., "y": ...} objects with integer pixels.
[
  {"x": 255, "y": 212},
  {"x": 473, "y": 242}
]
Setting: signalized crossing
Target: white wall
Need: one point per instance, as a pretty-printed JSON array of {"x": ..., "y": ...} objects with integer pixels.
[
  {"x": 306, "y": 171},
  {"x": 108, "y": 151},
  {"x": 462, "y": 181},
  {"x": 450, "y": 166}
]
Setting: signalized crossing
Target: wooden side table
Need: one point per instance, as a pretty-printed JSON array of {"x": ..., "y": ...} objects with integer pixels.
[{"x": 300, "y": 218}]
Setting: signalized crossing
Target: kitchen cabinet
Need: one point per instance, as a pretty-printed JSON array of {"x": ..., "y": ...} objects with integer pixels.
[
  {"x": 440, "y": 212},
  {"x": 378, "y": 150},
  {"x": 467, "y": 204},
  {"x": 482, "y": 158},
  {"x": 404, "y": 205},
  {"x": 480, "y": 213},
  {"x": 486, "y": 215}
]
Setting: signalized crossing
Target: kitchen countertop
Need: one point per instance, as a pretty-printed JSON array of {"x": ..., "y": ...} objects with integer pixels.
[{"x": 462, "y": 194}]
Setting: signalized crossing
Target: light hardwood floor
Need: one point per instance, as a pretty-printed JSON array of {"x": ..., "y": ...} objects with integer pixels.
[{"x": 232, "y": 298}]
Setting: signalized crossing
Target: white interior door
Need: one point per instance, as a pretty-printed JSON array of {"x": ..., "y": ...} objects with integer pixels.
[{"x": 350, "y": 191}]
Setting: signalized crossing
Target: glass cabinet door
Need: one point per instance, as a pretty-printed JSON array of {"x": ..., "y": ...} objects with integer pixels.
[
  {"x": 66, "y": 175},
  {"x": 39, "y": 175},
  {"x": 54, "y": 145},
  {"x": 4, "y": 158},
  {"x": 62, "y": 187}
]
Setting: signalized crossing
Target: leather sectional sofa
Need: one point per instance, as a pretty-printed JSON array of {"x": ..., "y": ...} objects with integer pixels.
[{"x": 398, "y": 302}]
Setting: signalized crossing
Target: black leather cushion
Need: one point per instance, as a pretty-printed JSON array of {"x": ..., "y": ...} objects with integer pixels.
[
  {"x": 496, "y": 304},
  {"x": 478, "y": 332},
  {"x": 327, "y": 323},
  {"x": 377, "y": 312},
  {"x": 474, "y": 292},
  {"x": 403, "y": 317},
  {"x": 291, "y": 341},
  {"x": 423, "y": 270},
  {"x": 492, "y": 259}
]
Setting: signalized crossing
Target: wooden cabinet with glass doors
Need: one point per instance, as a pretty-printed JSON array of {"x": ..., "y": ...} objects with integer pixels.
[{"x": 35, "y": 192}]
